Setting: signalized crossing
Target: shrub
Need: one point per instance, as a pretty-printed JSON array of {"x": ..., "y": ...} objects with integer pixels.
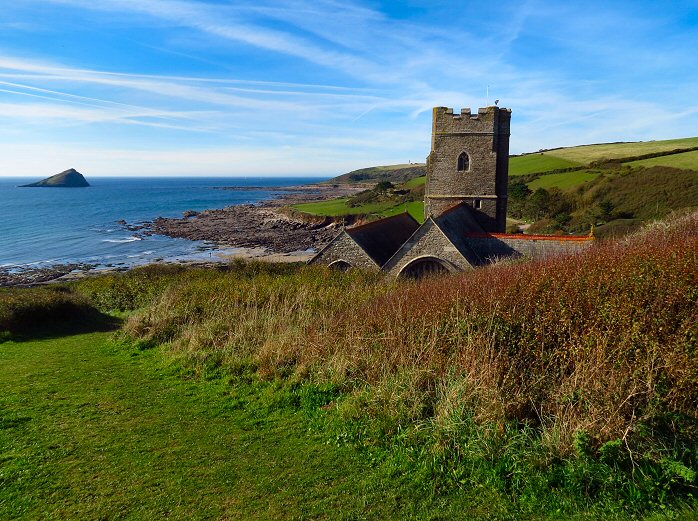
[{"x": 29, "y": 311}]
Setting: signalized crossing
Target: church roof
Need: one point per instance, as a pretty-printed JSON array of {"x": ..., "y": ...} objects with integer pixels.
[
  {"x": 456, "y": 223},
  {"x": 382, "y": 238}
]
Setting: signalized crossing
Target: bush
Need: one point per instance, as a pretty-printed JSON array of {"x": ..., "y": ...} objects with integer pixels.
[
  {"x": 32, "y": 311},
  {"x": 130, "y": 290}
]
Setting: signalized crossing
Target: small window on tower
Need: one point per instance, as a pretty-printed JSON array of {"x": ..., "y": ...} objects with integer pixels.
[
  {"x": 463, "y": 162},
  {"x": 478, "y": 204}
]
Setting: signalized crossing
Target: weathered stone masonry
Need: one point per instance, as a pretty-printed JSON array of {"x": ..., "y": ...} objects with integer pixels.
[
  {"x": 482, "y": 182},
  {"x": 465, "y": 206},
  {"x": 500, "y": 245},
  {"x": 342, "y": 253},
  {"x": 368, "y": 246}
]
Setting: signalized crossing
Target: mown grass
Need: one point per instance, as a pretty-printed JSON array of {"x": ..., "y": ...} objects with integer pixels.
[
  {"x": 537, "y": 163},
  {"x": 340, "y": 207},
  {"x": 91, "y": 429},
  {"x": 564, "y": 180},
  {"x": 686, "y": 160}
]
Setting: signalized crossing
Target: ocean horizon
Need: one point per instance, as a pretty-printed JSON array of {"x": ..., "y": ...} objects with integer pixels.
[{"x": 44, "y": 227}]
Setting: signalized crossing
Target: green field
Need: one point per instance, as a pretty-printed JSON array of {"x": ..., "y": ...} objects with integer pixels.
[
  {"x": 686, "y": 160},
  {"x": 91, "y": 430},
  {"x": 415, "y": 209},
  {"x": 585, "y": 154},
  {"x": 339, "y": 207},
  {"x": 534, "y": 170},
  {"x": 563, "y": 181},
  {"x": 414, "y": 183},
  {"x": 534, "y": 163}
]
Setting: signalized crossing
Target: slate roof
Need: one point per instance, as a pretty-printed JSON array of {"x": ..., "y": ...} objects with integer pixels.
[
  {"x": 382, "y": 238},
  {"x": 456, "y": 223}
]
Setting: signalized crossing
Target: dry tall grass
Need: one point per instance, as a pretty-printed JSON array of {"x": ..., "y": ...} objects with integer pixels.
[{"x": 602, "y": 343}]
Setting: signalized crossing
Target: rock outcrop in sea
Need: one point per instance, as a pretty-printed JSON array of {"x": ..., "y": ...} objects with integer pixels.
[{"x": 70, "y": 178}]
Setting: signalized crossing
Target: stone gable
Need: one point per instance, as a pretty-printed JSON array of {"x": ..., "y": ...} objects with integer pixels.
[
  {"x": 344, "y": 249},
  {"x": 428, "y": 242}
]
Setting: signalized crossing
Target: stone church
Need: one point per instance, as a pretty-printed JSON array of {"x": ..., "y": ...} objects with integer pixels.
[{"x": 465, "y": 208}]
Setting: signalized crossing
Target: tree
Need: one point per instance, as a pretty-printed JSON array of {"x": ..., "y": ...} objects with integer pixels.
[{"x": 384, "y": 186}]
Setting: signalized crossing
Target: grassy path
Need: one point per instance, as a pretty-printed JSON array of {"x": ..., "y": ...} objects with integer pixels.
[{"x": 92, "y": 431}]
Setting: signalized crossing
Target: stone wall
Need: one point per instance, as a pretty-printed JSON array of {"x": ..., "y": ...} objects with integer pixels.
[
  {"x": 492, "y": 247},
  {"x": 343, "y": 248},
  {"x": 428, "y": 241},
  {"x": 485, "y": 138}
]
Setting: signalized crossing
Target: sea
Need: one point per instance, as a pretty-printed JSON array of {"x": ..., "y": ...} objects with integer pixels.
[{"x": 44, "y": 227}]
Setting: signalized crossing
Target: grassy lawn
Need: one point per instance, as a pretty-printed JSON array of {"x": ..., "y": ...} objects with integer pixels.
[
  {"x": 587, "y": 153},
  {"x": 563, "y": 181},
  {"x": 686, "y": 160},
  {"x": 90, "y": 430},
  {"x": 533, "y": 163},
  {"x": 336, "y": 207}
]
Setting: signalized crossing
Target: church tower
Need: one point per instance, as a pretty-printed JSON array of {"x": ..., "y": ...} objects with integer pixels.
[{"x": 469, "y": 162}]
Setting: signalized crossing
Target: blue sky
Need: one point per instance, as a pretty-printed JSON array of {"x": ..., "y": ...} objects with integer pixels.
[{"x": 320, "y": 87}]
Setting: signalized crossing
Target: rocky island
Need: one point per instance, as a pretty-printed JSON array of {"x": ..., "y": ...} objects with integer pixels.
[{"x": 70, "y": 178}]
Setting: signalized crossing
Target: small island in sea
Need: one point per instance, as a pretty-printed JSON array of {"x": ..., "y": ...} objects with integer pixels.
[{"x": 70, "y": 178}]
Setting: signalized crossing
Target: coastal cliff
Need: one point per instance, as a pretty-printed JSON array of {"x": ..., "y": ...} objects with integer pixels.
[{"x": 70, "y": 178}]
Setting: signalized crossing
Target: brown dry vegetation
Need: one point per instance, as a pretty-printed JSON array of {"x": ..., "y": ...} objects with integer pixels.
[{"x": 602, "y": 343}]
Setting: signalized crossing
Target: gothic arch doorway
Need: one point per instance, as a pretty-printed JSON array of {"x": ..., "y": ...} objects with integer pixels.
[
  {"x": 424, "y": 267},
  {"x": 340, "y": 265}
]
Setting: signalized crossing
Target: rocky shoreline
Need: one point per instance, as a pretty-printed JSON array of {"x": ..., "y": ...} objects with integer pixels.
[
  {"x": 34, "y": 276},
  {"x": 265, "y": 225},
  {"x": 264, "y": 231}
]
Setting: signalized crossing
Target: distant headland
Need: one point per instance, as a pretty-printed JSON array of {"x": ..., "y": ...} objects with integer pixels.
[{"x": 70, "y": 178}]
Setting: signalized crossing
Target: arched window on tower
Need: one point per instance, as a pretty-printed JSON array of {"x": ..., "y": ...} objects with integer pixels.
[{"x": 463, "y": 162}]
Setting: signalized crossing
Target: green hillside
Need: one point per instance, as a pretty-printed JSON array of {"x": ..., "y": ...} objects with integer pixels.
[
  {"x": 375, "y": 174},
  {"x": 536, "y": 163},
  {"x": 417, "y": 181},
  {"x": 565, "y": 189},
  {"x": 585, "y": 154},
  {"x": 564, "y": 180},
  {"x": 688, "y": 160}
]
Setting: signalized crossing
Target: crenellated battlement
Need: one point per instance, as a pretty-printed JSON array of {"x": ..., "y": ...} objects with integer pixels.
[
  {"x": 469, "y": 163},
  {"x": 488, "y": 119}
]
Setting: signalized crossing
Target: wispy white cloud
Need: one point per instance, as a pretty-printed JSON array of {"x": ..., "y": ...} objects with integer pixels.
[{"x": 355, "y": 84}]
